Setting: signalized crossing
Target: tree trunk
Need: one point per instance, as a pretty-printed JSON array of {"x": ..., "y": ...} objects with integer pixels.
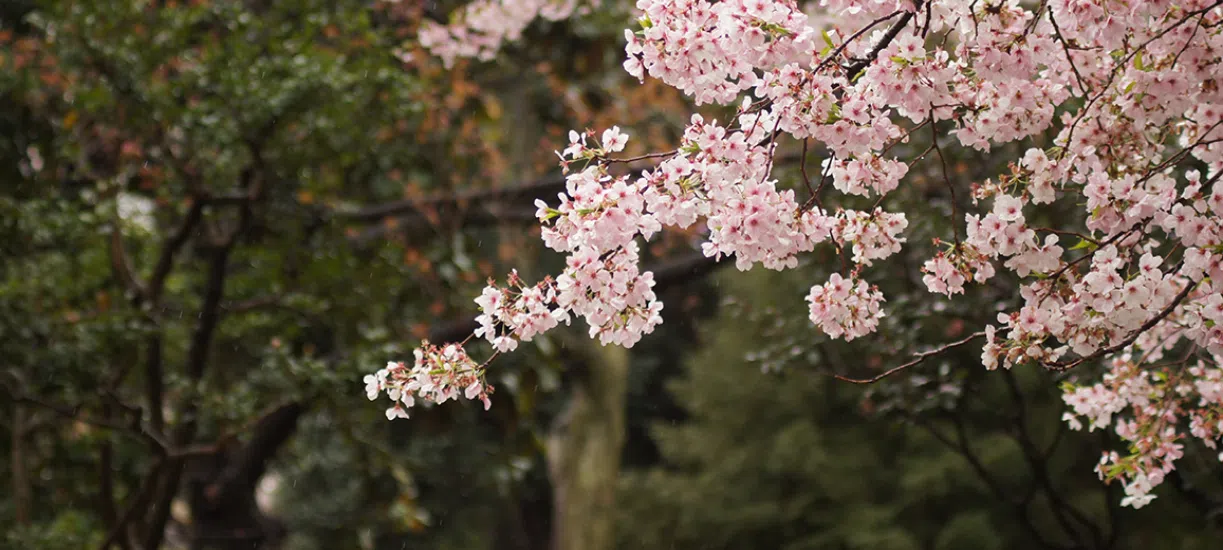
[
  {"x": 21, "y": 479},
  {"x": 584, "y": 453},
  {"x": 221, "y": 488}
]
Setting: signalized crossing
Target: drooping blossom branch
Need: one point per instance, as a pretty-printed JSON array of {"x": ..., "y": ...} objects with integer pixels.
[{"x": 1126, "y": 95}]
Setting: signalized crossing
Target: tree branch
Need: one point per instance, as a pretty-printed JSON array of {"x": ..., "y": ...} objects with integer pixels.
[
  {"x": 544, "y": 188},
  {"x": 1062, "y": 511},
  {"x": 917, "y": 360},
  {"x": 239, "y": 478},
  {"x": 154, "y": 371},
  {"x": 165, "y": 261},
  {"x": 159, "y": 514},
  {"x": 852, "y": 70},
  {"x": 142, "y": 432},
  {"x": 252, "y": 182}
]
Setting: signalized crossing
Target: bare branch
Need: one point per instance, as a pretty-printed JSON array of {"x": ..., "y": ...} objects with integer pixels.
[
  {"x": 142, "y": 432},
  {"x": 165, "y": 261},
  {"x": 542, "y": 188},
  {"x": 917, "y": 360},
  {"x": 1062, "y": 511},
  {"x": 955, "y": 216}
]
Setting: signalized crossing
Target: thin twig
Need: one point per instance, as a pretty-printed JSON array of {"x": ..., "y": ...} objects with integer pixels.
[
  {"x": 917, "y": 359},
  {"x": 955, "y": 215}
]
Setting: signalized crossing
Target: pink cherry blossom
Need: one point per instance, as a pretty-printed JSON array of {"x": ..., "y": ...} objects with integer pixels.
[{"x": 1107, "y": 222}]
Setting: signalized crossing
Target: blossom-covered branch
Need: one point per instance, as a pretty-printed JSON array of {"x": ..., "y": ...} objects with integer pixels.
[{"x": 1125, "y": 99}]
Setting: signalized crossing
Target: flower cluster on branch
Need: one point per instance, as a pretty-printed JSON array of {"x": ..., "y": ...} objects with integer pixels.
[{"x": 1120, "y": 105}]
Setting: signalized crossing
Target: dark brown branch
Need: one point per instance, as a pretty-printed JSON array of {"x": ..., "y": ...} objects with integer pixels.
[
  {"x": 684, "y": 270},
  {"x": 143, "y": 433},
  {"x": 1057, "y": 32},
  {"x": 1203, "y": 502},
  {"x": 961, "y": 447},
  {"x": 1210, "y": 182},
  {"x": 210, "y": 313},
  {"x": 832, "y": 56},
  {"x": 166, "y": 488},
  {"x": 197, "y": 358},
  {"x": 252, "y": 184},
  {"x": 1056, "y": 274},
  {"x": 1067, "y": 233},
  {"x": 154, "y": 371},
  {"x": 544, "y": 188},
  {"x": 218, "y": 271},
  {"x": 961, "y": 444},
  {"x": 154, "y": 380},
  {"x": 486, "y": 215},
  {"x": 239, "y": 478},
  {"x": 1021, "y": 507},
  {"x": 165, "y": 261},
  {"x": 852, "y": 70},
  {"x": 917, "y": 359},
  {"x": 955, "y": 216},
  {"x": 1062, "y": 511}
]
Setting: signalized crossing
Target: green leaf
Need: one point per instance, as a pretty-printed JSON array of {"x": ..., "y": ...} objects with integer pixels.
[{"x": 1083, "y": 243}]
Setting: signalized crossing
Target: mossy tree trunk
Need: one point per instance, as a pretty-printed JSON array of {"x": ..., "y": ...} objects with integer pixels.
[{"x": 584, "y": 453}]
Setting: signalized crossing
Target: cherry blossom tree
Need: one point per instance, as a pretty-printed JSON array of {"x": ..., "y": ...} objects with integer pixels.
[{"x": 1115, "y": 105}]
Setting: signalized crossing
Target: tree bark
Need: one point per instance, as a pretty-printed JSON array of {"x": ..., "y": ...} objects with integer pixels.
[
  {"x": 221, "y": 487},
  {"x": 584, "y": 453},
  {"x": 21, "y": 481}
]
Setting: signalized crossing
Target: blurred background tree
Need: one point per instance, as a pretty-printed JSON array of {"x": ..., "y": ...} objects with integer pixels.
[{"x": 217, "y": 215}]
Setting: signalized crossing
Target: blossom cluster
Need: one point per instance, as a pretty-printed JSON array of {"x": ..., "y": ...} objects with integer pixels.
[
  {"x": 845, "y": 308},
  {"x": 438, "y": 374},
  {"x": 712, "y": 50},
  {"x": 482, "y": 27},
  {"x": 1111, "y": 224},
  {"x": 1158, "y": 400},
  {"x": 516, "y": 312}
]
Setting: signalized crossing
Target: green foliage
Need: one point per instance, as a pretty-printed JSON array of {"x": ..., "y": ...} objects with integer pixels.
[
  {"x": 792, "y": 458},
  {"x": 69, "y": 530},
  {"x": 280, "y": 118}
]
